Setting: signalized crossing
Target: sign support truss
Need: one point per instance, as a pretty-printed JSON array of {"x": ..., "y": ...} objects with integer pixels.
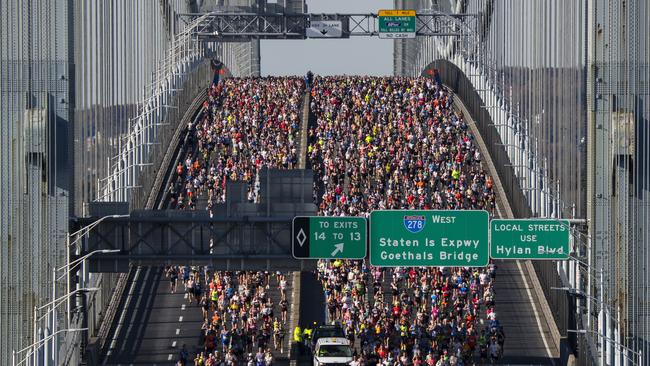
[
  {"x": 155, "y": 238},
  {"x": 239, "y": 27}
]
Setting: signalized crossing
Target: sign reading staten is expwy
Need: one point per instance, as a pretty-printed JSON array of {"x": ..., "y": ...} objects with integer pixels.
[
  {"x": 529, "y": 239},
  {"x": 394, "y": 24},
  {"x": 429, "y": 238},
  {"x": 324, "y": 237}
]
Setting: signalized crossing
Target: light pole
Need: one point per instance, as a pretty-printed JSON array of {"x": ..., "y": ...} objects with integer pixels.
[
  {"x": 79, "y": 234},
  {"x": 66, "y": 270},
  {"x": 54, "y": 303},
  {"x": 605, "y": 317},
  {"x": 14, "y": 352},
  {"x": 72, "y": 239},
  {"x": 68, "y": 267},
  {"x": 638, "y": 354}
]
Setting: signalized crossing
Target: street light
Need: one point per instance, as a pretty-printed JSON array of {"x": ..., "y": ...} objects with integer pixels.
[
  {"x": 54, "y": 305},
  {"x": 14, "y": 352},
  {"x": 579, "y": 293},
  {"x": 60, "y": 299},
  {"x": 638, "y": 354},
  {"x": 79, "y": 234},
  {"x": 66, "y": 270},
  {"x": 76, "y": 261}
]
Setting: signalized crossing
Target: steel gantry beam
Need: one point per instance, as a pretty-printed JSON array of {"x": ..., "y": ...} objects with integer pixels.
[
  {"x": 150, "y": 237},
  {"x": 228, "y": 26}
]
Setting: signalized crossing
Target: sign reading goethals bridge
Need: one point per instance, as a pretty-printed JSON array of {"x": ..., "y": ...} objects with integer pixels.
[{"x": 429, "y": 238}]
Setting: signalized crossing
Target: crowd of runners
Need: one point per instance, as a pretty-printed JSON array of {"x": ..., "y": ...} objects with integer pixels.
[
  {"x": 392, "y": 143},
  {"x": 396, "y": 143},
  {"x": 241, "y": 322},
  {"x": 244, "y": 125},
  {"x": 377, "y": 143}
]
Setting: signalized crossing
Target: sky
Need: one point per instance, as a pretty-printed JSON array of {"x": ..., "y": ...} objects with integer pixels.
[{"x": 354, "y": 56}]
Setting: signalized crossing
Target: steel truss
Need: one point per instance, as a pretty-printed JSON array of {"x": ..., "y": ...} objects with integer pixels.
[
  {"x": 173, "y": 237},
  {"x": 218, "y": 26}
]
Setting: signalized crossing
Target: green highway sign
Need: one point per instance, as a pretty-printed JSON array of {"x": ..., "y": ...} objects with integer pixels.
[
  {"x": 394, "y": 24},
  {"x": 529, "y": 239},
  {"x": 324, "y": 237},
  {"x": 440, "y": 238}
]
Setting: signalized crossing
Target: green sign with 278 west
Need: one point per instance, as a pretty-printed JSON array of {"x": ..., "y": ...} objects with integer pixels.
[
  {"x": 529, "y": 239},
  {"x": 440, "y": 238}
]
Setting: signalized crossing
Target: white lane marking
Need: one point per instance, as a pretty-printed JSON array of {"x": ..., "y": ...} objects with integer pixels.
[
  {"x": 174, "y": 344},
  {"x": 185, "y": 295},
  {"x": 180, "y": 318},
  {"x": 169, "y": 357},
  {"x": 534, "y": 306},
  {"x": 178, "y": 330},
  {"x": 122, "y": 316},
  {"x": 183, "y": 307}
]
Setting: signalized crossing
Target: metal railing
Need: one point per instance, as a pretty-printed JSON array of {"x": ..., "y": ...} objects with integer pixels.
[{"x": 184, "y": 55}]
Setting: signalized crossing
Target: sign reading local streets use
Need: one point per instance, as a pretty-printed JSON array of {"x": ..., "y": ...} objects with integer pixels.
[
  {"x": 529, "y": 239},
  {"x": 329, "y": 237},
  {"x": 395, "y": 24},
  {"x": 429, "y": 238}
]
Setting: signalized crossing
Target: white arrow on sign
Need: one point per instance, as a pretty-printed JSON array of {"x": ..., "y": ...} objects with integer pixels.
[
  {"x": 338, "y": 248},
  {"x": 324, "y": 29}
]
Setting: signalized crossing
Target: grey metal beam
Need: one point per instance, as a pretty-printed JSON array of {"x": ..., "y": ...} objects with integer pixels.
[
  {"x": 167, "y": 236},
  {"x": 230, "y": 26}
]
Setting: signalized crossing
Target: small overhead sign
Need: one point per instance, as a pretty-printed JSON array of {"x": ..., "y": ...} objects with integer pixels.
[
  {"x": 396, "y": 24},
  {"x": 324, "y": 237},
  {"x": 325, "y": 29},
  {"x": 529, "y": 239}
]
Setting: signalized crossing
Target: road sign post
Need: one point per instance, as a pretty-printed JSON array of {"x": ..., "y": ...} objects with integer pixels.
[
  {"x": 529, "y": 239},
  {"x": 324, "y": 237},
  {"x": 396, "y": 24},
  {"x": 429, "y": 238}
]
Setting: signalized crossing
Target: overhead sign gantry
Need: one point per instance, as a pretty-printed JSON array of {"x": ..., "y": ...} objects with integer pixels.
[{"x": 390, "y": 24}]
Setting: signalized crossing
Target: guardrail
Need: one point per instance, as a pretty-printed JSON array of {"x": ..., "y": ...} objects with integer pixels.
[{"x": 184, "y": 55}]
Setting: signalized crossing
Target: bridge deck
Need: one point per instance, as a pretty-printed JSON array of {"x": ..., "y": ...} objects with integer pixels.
[
  {"x": 525, "y": 331},
  {"x": 528, "y": 337}
]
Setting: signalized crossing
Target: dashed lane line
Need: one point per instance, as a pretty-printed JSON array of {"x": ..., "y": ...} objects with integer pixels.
[
  {"x": 534, "y": 306},
  {"x": 122, "y": 316}
]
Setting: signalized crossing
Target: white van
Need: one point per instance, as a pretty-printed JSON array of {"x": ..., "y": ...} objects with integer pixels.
[{"x": 332, "y": 351}]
